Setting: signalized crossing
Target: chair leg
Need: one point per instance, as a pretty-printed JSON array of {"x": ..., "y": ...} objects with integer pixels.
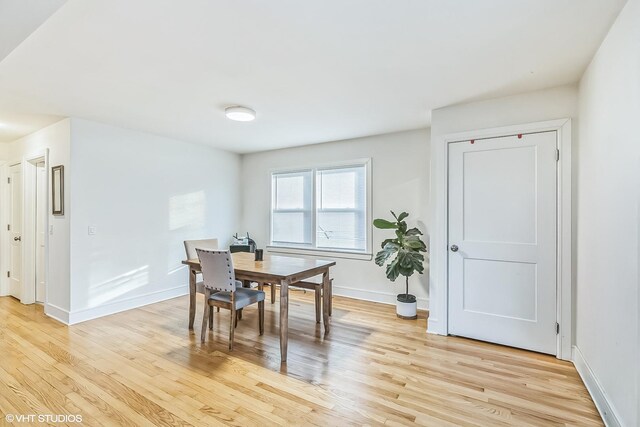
[
  {"x": 236, "y": 317},
  {"x": 330, "y": 296},
  {"x": 239, "y": 314},
  {"x": 205, "y": 318},
  {"x": 261, "y": 316},
  {"x": 318, "y": 291},
  {"x": 273, "y": 293},
  {"x": 211, "y": 317},
  {"x": 232, "y": 320}
]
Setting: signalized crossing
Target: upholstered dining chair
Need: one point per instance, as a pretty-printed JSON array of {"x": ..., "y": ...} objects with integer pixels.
[
  {"x": 190, "y": 247},
  {"x": 223, "y": 290}
]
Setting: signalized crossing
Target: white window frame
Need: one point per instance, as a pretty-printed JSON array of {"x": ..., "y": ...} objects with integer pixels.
[
  {"x": 306, "y": 212},
  {"x": 312, "y": 249}
]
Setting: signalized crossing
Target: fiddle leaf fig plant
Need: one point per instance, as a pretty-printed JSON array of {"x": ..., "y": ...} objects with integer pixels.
[{"x": 403, "y": 253}]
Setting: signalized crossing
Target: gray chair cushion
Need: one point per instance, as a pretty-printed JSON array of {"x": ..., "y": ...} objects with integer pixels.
[{"x": 243, "y": 297}]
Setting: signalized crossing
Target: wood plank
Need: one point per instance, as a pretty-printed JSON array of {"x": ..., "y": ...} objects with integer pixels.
[{"x": 144, "y": 367}]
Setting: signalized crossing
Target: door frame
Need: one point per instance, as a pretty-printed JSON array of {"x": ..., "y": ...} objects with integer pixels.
[
  {"x": 439, "y": 284},
  {"x": 29, "y": 238}
]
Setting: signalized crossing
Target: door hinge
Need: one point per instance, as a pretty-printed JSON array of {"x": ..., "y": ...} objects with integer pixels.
[
  {"x": 8, "y": 180},
  {"x": 8, "y": 227},
  {"x": 557, "y": 328},
  {"x": 8, "y": 274},
  {"x": 557, "y": 154}
]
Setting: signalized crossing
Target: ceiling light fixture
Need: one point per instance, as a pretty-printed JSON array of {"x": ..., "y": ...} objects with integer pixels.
[{"x": 240, "y": 114}]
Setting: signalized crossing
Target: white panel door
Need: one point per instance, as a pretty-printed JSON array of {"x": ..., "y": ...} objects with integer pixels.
[
  {"x": 502, "y": 240},
  {"x": 15, "y": 231},
  {"x": 41, "y": 212}
]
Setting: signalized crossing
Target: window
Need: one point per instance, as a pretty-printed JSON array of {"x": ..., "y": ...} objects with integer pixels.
[
  {"x": 291, "y": 208},
  {"x": 323, "y": 208}
]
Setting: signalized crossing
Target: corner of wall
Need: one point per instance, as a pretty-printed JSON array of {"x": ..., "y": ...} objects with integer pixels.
[{"x": 597, "y": 392}]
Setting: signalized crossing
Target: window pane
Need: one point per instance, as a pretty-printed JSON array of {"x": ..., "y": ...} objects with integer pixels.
[
  {"x": 290, "y": 227},
  {"x": 341, "y": 230},
  {"x": 291, "y": 208},
  {"x": 342, "y": 188},
  {"x": 341, "y": 208},
  {"x": 337, "y": 189},
  {"x": 289, "y": 191}
]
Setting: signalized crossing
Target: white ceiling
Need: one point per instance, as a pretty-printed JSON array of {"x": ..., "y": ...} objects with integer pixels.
[
  {"x": 314, "y": 71},
  {"x": 18, "y": 19}
]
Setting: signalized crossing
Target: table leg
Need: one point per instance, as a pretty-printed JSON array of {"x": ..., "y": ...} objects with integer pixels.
[
  {"x": 330, "y": 297},
  {"x": 284, "y": 319},
  {"x": 318, "y": 301},
  {"x": 192, "y": 297},
  {"x": 326, "y": 300}
]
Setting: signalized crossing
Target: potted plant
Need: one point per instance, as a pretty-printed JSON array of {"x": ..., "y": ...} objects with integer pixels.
[{"x": 404, "y": 254}]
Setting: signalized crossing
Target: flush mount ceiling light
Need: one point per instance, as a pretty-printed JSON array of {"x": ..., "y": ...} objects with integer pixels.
[{"x": 240, "y": 114}]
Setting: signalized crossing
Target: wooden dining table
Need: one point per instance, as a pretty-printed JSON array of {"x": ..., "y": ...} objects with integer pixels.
[{"x": 274, "y": 269}]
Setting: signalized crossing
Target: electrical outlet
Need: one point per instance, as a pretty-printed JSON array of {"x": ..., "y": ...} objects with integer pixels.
[{"x": 92, "y": 230}]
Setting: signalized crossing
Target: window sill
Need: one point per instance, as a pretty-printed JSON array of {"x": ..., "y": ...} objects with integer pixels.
[{"x": 327, "y": 253}]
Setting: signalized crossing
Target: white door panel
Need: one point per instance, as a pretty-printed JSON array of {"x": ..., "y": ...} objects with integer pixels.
[
  {"x": 502, "y": 218},
  {"x": 15, "y": 232}
]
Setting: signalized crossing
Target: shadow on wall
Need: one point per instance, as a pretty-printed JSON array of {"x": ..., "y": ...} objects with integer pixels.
[
  {"x": 122, "y": 267},
  {"x": 119, "y": 286}
]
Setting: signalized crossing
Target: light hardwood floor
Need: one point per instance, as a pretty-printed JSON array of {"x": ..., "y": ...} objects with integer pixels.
[{"x": 143, "y": 367}]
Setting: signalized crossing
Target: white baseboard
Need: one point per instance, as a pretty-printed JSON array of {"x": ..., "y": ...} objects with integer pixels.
[
  {"x": 55, "y": 312},
  {"x": 375, "y": 296},
  {"x": 607, "y": 412},
  {"x": 124, "y": 305}
]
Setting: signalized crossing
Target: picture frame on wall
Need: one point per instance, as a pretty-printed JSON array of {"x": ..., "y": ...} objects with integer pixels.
[{"x": 57, "y": 186}]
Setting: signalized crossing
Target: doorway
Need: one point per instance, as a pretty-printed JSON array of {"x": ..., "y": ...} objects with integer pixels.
[
  {"x": 26, "y": 241},
  {"x": 502, "y": 240}
]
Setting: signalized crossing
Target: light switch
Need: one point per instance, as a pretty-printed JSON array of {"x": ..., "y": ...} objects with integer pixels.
[{"x": 92, "y": 230}]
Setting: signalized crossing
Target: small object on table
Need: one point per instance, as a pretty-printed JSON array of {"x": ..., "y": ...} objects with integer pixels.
[
  {"x": 259, "y": 254},
  {"x": 239, "y": 248}
]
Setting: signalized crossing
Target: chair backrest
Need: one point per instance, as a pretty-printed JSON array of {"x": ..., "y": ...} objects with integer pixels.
[
  {"x": 217, "y": 270},
  {"x": 190, "y": 246}
]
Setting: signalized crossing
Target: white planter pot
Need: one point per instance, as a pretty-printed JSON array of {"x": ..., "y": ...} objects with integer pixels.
[{"x": 406, "y": 310}]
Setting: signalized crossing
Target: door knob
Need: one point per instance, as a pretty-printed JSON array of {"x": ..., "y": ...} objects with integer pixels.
[
  {"x": 17, "y": 239},
  {"x": 454, "y": 248}
]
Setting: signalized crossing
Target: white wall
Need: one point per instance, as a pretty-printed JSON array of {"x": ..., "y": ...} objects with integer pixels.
[
  {"x": 55, "y": 138},
  {"x": 550, "y": 104},
  {"x": 400, "y": 167},
  {"x": 144, "y": 194},
  {"x": 608, "y": 189}
]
